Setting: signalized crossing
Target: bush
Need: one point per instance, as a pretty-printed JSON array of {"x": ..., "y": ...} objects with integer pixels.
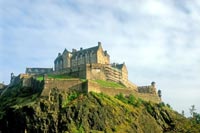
[
  {"x": 70, "y": 98},
  {"x": 162, "y": 104},
  {"x": 139, "y": 102},
  {"x": 149, "y": 107},
  {"x": 121, "y": 97},
  {"x": 168, "y": 106},
  {"x": 131, "y": 99}
]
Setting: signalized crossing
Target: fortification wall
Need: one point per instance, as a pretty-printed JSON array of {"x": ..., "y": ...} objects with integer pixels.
[
  {"x": 95, "y": 71},
  {"x": 131, "y": 85},
  {"x": 78, "y": 71},
  {"x": 63, "y": 85},
  {"x": 148, "y": 97},
  {"x": 147, "y": 89},
  {"x": 92, "y": 86}
]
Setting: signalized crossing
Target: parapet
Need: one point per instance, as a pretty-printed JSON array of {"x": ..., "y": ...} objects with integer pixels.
[{"x": 151, "y": 89}]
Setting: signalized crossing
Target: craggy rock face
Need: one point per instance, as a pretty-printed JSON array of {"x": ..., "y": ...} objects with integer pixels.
[{"x": 21, "y": 110}]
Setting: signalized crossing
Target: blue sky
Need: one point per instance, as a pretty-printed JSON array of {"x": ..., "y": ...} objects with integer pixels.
[{"x": 158, "y": 40}]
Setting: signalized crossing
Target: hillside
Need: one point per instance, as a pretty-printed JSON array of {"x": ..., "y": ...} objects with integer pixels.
[{"x": 23, "y": 109}]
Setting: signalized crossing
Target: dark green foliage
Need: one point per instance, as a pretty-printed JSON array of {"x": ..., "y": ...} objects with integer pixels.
[
  {"x": 197, "y": 118},
  {"x": 121, "y": 97},
  {"x": 71, "y": 96},
  {"x": 129, "y": 99},
  {"x": 149, "y": 107},
  {"x": 168, "y": 106},
  {"x": 162, "y": 104},
  {"x": 159, "y": 93}
]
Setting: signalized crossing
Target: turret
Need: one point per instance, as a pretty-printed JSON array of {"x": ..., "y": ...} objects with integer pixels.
[
  {"x": 99, "y": 44},
  {"x": 153, "y": 84}
]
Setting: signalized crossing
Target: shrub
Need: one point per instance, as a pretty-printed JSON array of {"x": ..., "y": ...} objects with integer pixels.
[
  {"x": 168, "y": 106},
  {"x": 121, "y": 97},
  {"x": 149, "y": 108},
  {"x": 131, "y": 99},
  {"x": 70, "y": 98},
  {"x": 162, "y": 104}
]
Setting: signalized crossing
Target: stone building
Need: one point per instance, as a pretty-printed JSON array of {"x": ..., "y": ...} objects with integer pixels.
[
  {"x": 76, "y": 58},
  {"x": 91, "y": 63}
]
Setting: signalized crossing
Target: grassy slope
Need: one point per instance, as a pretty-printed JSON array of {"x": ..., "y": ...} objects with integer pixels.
[{"x": 109, "y": 84}]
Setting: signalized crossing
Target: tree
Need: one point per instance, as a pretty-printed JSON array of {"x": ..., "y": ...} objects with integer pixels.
[
  {"x": 159, "y": 93},
  {"x": 183, "y": 112},
  {"x": 192, "y": 110}
]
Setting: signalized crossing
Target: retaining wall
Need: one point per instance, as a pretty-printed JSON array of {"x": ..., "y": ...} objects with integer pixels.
[
  {"x": 63, "y": 85},
  {"x": 92, "y": 86}
]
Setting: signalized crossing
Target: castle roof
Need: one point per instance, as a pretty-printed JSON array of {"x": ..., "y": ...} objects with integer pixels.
[
  {"x": 65, "y": 51},
  {"x": 38, "y": 70},
  {"x": 85, "y": 51},
  {"x": 119, "y": 66},
  {"x": 58, "y": 58}
]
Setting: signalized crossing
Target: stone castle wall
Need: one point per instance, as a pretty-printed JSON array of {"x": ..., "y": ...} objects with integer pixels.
[
  {"x": 63, "y": 85},
  {"x": 92, "y": 86},
  {"x": 97, "y": 71},
  {"x": 147, "y": 89},
  {"x": 67, "y": 85}
]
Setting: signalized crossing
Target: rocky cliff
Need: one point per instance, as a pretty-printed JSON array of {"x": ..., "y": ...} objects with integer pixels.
[{"x": 23, "y": 109}]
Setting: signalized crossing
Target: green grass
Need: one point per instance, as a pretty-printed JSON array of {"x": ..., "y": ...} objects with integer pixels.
[
  {"x": 40, "y": 78},
  {"x": 104, "y": 83},
  {"x": 59, "y": 76}
]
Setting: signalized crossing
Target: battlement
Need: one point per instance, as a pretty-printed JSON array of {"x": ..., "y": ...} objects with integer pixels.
[{"x": 151, "y": 89}]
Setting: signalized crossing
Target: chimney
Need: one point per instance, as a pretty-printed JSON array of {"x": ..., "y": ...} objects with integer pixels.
[
  {"x": 99, "y": 44},
  {"x": 59, "y": 54},
  {"x": 105, "y": 52},
  {"x": 73, "y": 50}
]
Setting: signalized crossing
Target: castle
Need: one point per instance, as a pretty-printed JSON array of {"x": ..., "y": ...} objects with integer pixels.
[{"x": 91, "y": 64}]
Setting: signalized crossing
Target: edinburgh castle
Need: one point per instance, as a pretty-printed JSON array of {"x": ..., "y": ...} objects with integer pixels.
[{"x": 91, "y": 64}]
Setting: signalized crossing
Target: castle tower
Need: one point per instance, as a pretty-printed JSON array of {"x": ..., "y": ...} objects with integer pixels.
[{"x": 153, "y": 84}]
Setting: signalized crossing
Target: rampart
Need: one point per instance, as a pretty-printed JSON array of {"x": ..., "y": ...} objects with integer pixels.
[
  {"x": 147, "y": 93},
  {"x": 97, "y": 71},
  {"x": 92, "y": 86},
  {"x": 146, "y": 89},
  {"x": 62, "y": 84},
  {"x": 67, "y": 85}
]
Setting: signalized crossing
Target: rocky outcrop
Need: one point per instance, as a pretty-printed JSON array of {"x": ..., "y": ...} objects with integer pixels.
[{"x": 21, "y": 110}]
